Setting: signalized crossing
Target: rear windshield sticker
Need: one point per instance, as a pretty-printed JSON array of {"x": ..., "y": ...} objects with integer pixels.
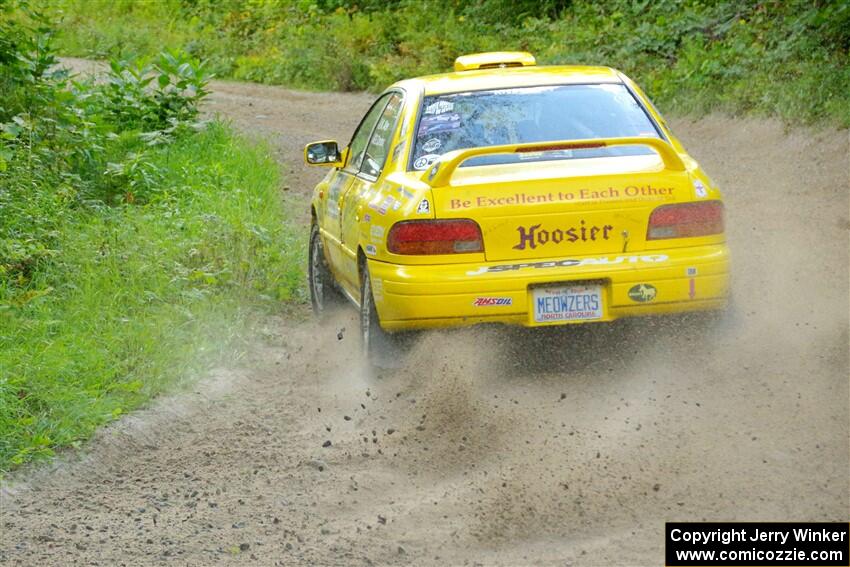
[
  {"x": 432, "y": 145},
  {"x": 424, "y": 161},
  {"x": 433, "y": 124},
  {"x": 439, "y": 107}
]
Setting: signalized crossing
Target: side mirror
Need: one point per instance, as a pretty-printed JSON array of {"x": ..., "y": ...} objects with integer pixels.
[{"x": 323, "y": 153}]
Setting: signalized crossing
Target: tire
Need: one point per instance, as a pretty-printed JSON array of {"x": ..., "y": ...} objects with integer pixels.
[
  {"x": 324, "y": 295},
  {"x": 380, "y": 348}
]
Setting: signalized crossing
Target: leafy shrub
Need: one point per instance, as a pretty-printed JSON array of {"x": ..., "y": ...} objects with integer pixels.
[
  {"x": 155, "y": 97},
  {"x": 783, "y": 58},
  {"x": 133, "y": 238},
  {"x": 64, "y": 145}
]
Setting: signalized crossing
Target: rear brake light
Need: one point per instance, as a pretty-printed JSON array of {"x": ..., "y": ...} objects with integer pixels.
[
  {"x": 435, "y": 237},
  {"x": 686, "y": 220}
]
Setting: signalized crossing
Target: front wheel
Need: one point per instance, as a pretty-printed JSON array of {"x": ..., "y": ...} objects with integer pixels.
[{"x": 323, "y": 293}]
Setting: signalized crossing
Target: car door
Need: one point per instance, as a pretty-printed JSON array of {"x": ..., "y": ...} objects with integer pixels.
[
  {"x": 364, "y": 183},
  {"x": 340, "y": 182}
]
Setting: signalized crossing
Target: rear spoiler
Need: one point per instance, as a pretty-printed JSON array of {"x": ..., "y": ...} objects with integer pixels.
[{"x": 441, "y": 172}]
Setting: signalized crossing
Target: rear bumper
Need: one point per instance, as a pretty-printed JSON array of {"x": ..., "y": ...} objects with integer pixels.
[{"x": 425, "y": 296}]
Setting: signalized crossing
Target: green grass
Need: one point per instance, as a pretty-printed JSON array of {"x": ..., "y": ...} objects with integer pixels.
[
  {"x": 775, "y": 58},
  {"x": 140, "y": 297}
]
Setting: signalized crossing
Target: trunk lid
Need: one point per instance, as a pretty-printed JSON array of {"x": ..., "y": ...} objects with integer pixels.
[{"x": 554, "y": 208}]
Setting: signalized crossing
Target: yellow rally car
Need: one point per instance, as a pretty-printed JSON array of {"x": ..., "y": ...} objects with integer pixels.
[{"x": 513, "y": 193}]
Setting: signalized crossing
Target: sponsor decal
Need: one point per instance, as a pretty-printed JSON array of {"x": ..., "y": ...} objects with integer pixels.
[
  {"x": 382, "y": 207},
  {"x": 424, "y": 207},
  {"x": 377, "y": 231},
  {"x": 489, "y": 301},
  {"x": 367, "y": 218},
  {"x": 571, "y": 262},
  {"x": 424, "y": 161},
  {"x": 334, "y": 187},
  {"x": 397, "y": 150},
  {"x": 642, "y": 292},
  {"x": 434, "y": 124},
  {"x": 649, "y": 192},
  {"x": 534, "y": 236},
  {"x": 691, "y": 271},
  {"x": 378, "y": 289},
  {"x": 371, "y": 250},
  {"x": 439, "y": 107},
  {"x": 432, "y": 145},
  {"x": 700, "y": 189},
  {"x": 396, "y": 205}
]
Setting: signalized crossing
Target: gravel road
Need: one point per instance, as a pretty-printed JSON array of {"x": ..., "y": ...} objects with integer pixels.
[{"x": 492, "y": 446}]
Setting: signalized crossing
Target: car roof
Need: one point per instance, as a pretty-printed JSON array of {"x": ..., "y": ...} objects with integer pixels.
[{"x": 510, "y": 77}]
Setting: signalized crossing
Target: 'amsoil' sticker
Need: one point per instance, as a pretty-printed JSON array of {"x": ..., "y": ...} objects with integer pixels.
[{"x": 489, "y": 301}]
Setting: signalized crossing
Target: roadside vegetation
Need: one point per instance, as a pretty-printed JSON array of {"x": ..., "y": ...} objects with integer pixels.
[
  {"x": 136, "y": 241},
  {"x": 774, "y": 57}
]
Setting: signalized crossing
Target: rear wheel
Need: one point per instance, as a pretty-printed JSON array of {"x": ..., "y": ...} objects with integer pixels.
[
  {"x": 323, "y": 293},
  {"x": 381, "y": 349}
]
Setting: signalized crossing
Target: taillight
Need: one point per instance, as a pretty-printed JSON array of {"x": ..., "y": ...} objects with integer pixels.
[
  {"x": 686, "y": 219},
  {"x": 447, "y": 236}
]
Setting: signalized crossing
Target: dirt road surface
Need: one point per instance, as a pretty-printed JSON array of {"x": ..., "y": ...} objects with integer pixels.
[{"x": 492, "y": 446}]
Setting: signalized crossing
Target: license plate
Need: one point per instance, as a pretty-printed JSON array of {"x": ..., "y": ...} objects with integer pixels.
[{"x": 582, "y": 302}]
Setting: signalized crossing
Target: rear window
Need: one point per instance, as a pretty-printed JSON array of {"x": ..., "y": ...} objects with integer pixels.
[{"x": 531, "y": 114}]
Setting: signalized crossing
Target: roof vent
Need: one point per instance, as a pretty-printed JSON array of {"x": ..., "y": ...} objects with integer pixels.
[{"x": 494, "y": 60}]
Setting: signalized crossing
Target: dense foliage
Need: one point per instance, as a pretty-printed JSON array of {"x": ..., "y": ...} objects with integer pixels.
[
  {"x": 133, "y": 238},
  {"x": 787, "y": 58}
]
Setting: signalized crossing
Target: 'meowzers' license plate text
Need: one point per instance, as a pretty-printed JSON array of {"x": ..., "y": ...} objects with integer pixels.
[{"x": 567, "y": 303}]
